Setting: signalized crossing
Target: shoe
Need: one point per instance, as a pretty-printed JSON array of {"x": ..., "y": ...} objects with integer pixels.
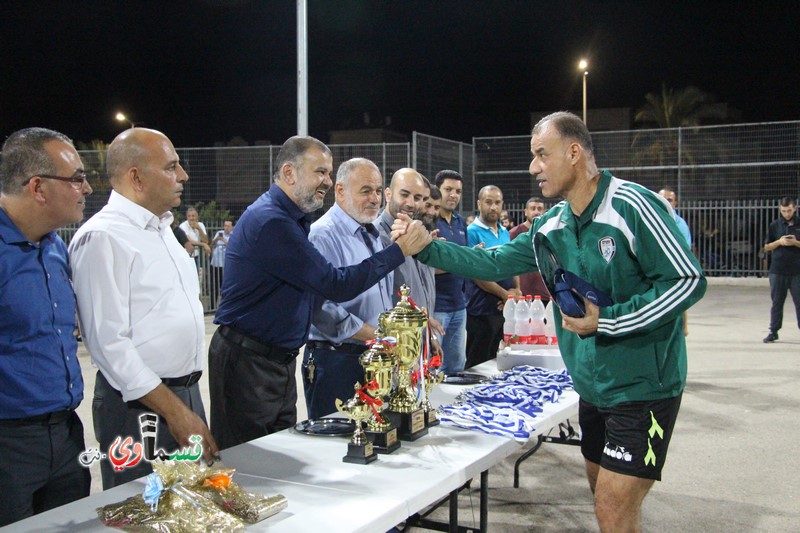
[{"x": 772, "y": 337}]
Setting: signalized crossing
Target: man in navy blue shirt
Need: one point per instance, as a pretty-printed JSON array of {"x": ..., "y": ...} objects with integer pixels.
[
  {"x": 272, "y": 276},
  {"x": 43, "y": 187},
  {"x": 451, "y": 300}
]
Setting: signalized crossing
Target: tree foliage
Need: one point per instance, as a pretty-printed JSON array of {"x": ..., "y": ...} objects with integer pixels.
[{"x": 687, "y": 107}]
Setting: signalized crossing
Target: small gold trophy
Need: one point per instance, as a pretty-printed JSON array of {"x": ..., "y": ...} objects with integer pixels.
[
  {"x": 359, "y": 449},
  {"x": 433, "y": 376},
  {"x": 378, "y": 366},
  {"x": 406, "y": 324}
]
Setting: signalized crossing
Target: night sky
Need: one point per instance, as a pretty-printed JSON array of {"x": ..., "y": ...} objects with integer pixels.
[{"x": 208, "y": 70}]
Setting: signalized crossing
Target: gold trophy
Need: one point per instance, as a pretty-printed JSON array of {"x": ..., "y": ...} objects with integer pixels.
[
  {"x": 406, "y": 324},
  {"x": 359, "y": 449},
  {"x": 433, "y": 376},
  {"x": 378, "y": 366}
]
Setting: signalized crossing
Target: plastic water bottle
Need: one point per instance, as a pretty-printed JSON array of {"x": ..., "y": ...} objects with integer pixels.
[
  {"x": 508, "y": 324},
  {"x": 550, "y": 324},
  {"x": 522, "y": 325},
  {"x": 538, "y": 335}
]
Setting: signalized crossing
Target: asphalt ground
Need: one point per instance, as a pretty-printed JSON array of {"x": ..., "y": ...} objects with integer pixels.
[{"x": 733, "y": 461}]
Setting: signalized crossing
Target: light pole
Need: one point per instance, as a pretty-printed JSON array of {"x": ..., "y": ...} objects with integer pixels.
[
  {"x": 122, "y": 118},
  {"x": 583, "y": 65}
]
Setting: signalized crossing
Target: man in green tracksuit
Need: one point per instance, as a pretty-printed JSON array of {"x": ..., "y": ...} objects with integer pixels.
[{"x": 627, "y": 359}]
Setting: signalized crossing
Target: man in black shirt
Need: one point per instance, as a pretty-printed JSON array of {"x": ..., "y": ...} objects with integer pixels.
[{"x": 783, "y": 240}]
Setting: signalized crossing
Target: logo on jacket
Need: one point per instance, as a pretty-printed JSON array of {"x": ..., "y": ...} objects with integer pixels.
[{"x": 607, "y": 248}]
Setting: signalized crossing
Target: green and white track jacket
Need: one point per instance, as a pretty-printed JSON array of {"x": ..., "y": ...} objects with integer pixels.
[{"x": 627, "y": 245}]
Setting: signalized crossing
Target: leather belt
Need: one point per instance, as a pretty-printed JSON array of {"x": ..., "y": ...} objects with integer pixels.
[
  {"x": 279, "y": 355},
  {"x": 345, "y": 347},
  {"x": 183, "y": 381},
  {"x": 47, "y": 419}
]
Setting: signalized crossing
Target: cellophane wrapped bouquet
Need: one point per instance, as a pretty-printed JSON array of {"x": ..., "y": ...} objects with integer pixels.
[{"x": 183, "y": 496}]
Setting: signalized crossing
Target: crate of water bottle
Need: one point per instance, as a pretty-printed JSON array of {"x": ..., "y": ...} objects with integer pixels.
[{"x": 542, "y": 355}]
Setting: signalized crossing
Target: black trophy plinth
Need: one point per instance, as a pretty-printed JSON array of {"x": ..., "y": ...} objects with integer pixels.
[
  {"x": 410, "y": 426},
  {"x": 431, "y": 419},
  {"x": 360, "y": 454},
  {"x": 384, "y": 441}
]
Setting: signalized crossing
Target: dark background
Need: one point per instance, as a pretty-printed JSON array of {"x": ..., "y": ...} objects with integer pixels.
[{"x": 205, "y": 71}]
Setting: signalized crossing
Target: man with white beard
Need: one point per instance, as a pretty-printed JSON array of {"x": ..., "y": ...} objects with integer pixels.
[{"x": 345, "y": 236}]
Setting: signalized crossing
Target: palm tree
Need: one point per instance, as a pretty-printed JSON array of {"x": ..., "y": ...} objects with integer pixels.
[
  {"x": 661, "y": 148},
  {"x": 680, "y": 108}
]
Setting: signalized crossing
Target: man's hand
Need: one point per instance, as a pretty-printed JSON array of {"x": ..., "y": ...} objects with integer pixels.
[
  {"x": 586, "y": 325},
  {"x": 436, "y": 327},
  {"x": 187, "y": 424},
  {"x": 436, "y": 347},
  {"x": 181, "y": 421},
  {"x": 207, "y": 248},
  {"x": 415, "y": 238},
  {"x": 400, "y": 225}
]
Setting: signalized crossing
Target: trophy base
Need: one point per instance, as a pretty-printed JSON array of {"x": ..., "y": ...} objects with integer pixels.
[
  {"x": 360, "y": 454},
  {"x": 410, "y": 426},
  {"x": 384, "y": 441},
  {"x": 431, "y": 419}
]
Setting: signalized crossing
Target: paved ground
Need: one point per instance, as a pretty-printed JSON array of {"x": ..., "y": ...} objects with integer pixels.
[{"x": 733, "y": 463}]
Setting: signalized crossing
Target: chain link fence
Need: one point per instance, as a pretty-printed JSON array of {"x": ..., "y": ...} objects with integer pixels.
[
  {"x": 733, "y": 162},
  {"x": 728, "y": 180}
]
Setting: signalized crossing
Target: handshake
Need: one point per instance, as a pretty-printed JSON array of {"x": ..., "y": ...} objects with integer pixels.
[{"x": 410, "y": 235}]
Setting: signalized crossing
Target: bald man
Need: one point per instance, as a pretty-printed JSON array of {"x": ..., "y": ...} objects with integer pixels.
[
  {"x": 139, "y": 305},
  {"x": 407, "y": 193},
  {"x": 485, "y": 299}
]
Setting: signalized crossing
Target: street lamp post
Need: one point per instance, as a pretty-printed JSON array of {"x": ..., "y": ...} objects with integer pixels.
[
  {"x": 122, "y": 118},
  {"x": 584, "y": 65}
]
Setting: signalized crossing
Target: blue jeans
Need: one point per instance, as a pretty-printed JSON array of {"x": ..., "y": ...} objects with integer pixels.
[{"x": 454, "y": 343}]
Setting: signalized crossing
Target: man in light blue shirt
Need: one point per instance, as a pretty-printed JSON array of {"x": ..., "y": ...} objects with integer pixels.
[
  {"x": 345, "y": 236},
  {"x": 485, "y": 299},
  {"x": 669, "y": 195}
]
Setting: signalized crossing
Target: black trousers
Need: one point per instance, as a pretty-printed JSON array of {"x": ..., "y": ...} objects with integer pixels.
[
  {"x": 779, "y": 285},
  {"x": 40, "y": 469},
  {"x": 114, "y": 418},
  {"x": 484, "y": 334},
  {"x": 251, "y": 395}
]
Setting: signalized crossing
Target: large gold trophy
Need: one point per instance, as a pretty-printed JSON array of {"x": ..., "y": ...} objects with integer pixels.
[
  {"x": 378, "y": 363},
  {"x": 406, "y": 324},
  {"x": 359, "y": 408}
]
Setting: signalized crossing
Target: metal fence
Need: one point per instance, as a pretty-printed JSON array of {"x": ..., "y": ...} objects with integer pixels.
[
  {"x": 732, "y": 162},
  {"x": 728, "y": 180},
  {"x": 432, "y": 154}
]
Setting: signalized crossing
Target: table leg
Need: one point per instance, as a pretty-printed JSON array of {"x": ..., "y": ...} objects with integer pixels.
[
  {"x": 523, "y": 457},
  {"x": 484, "y": 517}
]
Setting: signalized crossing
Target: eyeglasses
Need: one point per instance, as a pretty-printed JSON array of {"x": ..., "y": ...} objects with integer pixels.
[{"x": 77, "y": 180}]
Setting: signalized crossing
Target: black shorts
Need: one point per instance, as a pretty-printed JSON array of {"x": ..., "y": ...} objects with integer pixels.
[{"x": 629, "y": 438}]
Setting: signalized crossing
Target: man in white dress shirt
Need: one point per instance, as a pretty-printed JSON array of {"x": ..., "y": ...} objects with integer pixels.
[
  {"x": 139, "y": 306},
  {"x": 196, "y": 233}
]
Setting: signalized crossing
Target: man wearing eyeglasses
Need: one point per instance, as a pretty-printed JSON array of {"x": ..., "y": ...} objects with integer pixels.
[
  {"x": 616, "y": 243},
  {"x": 139, "y": 305},
  {"x": 42, "y": 187}
]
